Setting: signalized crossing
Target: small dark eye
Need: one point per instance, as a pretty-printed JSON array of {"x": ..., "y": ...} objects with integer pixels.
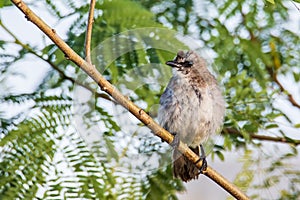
[{"x": 188, "y": 63}]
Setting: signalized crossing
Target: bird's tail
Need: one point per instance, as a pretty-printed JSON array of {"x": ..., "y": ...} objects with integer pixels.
[{"x": 183, "y": 168}]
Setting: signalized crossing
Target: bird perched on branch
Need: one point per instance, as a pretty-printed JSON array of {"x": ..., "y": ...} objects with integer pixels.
[{"x": 192, "y": 109}]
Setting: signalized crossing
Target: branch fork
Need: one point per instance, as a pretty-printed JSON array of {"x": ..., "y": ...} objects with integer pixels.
[{"x": 140, "y": 114}]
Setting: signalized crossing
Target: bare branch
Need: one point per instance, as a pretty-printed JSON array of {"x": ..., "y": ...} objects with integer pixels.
[
  {"x": 88, "y": 35},
  {"x": 262, "y": 137},
  {"x": 273, "y": 73},
  {"x": 295, "y": 5},
  {"x": 282, "y": 89},
  {"x": 130, "y": 106}
]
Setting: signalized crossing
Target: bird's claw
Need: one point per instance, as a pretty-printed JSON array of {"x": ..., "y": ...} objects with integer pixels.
[
  {"x": 203, "y": 159},
  {"x": 203, "y": 167}
]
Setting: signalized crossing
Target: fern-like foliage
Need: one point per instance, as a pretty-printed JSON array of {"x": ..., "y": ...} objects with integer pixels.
[
  {"x": 60, "y": 147},
  {"x": 28, "y": 144}
]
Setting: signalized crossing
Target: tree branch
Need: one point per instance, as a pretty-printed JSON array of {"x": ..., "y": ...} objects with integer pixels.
[
  {"x": 88, "y": 35},
  {"x": 287, "y": 140},
  {"x": 282, "y": 89},
  {"x": 130, "y": 106},
  {"x": 277, "y": 65},
  {"x": 273, "y": 73},
  {"x": 295, "y": 5}
]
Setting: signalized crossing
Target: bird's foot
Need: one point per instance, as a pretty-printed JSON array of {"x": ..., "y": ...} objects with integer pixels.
[
  {"x": 203, "y": 159},
  {"x": 203, "y": 166}
]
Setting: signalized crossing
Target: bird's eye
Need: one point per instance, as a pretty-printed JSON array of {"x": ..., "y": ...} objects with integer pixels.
[
  {"x": 187, "y": 63},
  {"x": 190, "y": 63}
]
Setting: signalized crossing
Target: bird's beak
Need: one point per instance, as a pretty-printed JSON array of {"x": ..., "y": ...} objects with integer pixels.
[{"x": 173, "y": 63}]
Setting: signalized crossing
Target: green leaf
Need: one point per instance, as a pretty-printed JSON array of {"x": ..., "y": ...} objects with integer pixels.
[
  {"x": 4, "y": 3},
  {"x": 112, "y": 153},
  {"x": 220, "y": 155},
  {"x": 270, "y": 126},
  {"x": 271, "y": 1},
  {"x": 296, "y": 76}
]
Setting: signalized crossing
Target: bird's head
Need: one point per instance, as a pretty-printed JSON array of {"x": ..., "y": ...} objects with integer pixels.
[{"x": 184, "y": 61}]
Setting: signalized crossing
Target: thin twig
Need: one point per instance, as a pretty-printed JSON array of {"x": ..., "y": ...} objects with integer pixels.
[
  {"x": 125, "y": 102},
  {"x": 295, "y": 6},
  {"x": 61, "y": 72},
  {"x": 273, "y": 73},
  {"x": 262, "y": 137},
  {"x": 282, "y": 89},
  {"x": 88, "y": 35},
  {"x": 291, "y": 99}
]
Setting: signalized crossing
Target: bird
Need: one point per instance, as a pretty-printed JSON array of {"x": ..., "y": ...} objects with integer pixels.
[{"x": 192, "y": 108}]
